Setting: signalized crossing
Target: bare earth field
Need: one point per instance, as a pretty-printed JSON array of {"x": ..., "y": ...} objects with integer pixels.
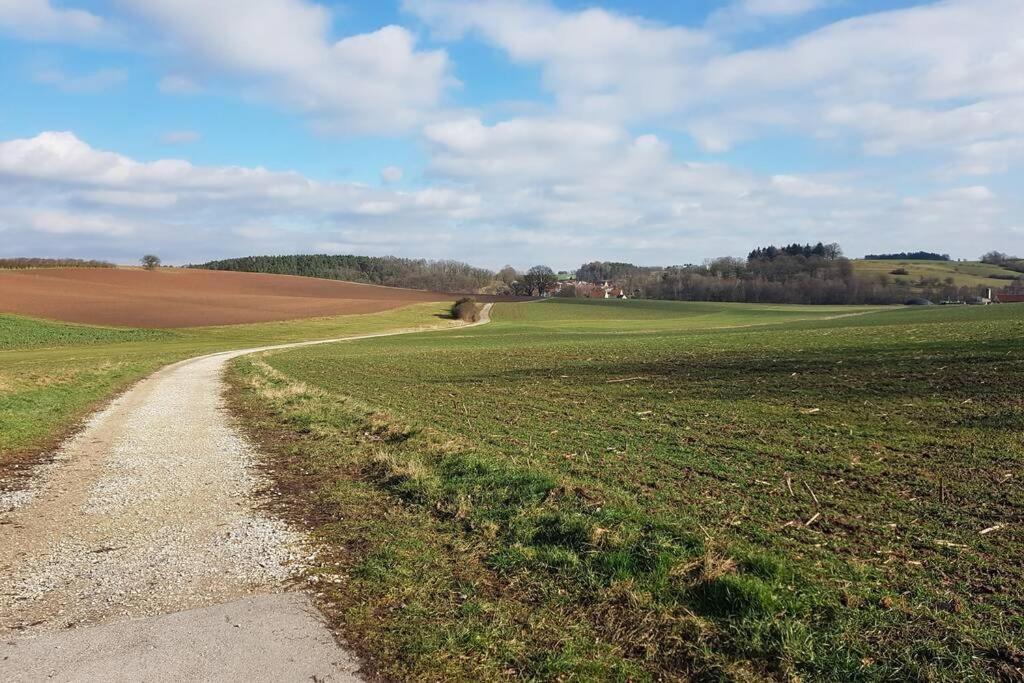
[{"x": 133, "y": 297}]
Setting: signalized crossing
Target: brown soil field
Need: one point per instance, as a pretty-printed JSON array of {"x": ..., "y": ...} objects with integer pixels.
[{"x": 179, "y": 297}]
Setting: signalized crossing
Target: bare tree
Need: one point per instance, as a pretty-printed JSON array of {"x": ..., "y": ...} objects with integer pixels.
[
  {"x": 150, "y": 261},
  {"x": 539, "y": 278}
]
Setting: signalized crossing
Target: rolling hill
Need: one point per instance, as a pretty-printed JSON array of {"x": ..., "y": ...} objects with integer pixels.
[
  {"x": 963, "y": 273},
  {"x": 178, "y": 297}
]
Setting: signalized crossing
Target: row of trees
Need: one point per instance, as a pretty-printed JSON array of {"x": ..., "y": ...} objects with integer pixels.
[
  {"x": 534, "y": 282},
  {"x": 998, "y": 258},
  {"x": 794, "y": 273},
  {"x": 439, "y": 276},
  {"x": 21, "y": 263},
  {"x": 908, "y": 256},
  {"x": 819, "y": 250},
  {"x": 801, "y": 274}
]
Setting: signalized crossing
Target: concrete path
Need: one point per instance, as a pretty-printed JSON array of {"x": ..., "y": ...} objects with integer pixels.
[
  {"x": 263, "y": 638},
  {"x": 150, "y": 510}
]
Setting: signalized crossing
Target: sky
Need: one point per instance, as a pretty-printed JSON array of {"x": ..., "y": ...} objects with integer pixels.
[{"x": 515, "y": 132}]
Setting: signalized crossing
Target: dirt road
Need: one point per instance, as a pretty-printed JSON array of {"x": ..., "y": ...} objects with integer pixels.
[{"x": 150, "y": 510}]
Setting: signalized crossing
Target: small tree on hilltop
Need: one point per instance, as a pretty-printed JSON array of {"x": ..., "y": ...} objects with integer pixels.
[{"x": 150, "y": 261}]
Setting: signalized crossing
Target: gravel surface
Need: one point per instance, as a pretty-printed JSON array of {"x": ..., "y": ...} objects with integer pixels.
[{"x": 151, "y": 509}]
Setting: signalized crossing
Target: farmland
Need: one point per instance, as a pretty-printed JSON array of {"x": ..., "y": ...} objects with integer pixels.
[
  {"x": 131, "y": 297},
  {"x": 963, "y": 273},
  {"x": 52, "y": 374},
  {"x": 644, "y": 490}
]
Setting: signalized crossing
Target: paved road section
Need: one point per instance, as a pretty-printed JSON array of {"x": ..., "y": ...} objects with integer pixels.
[{"x": 262, "y": 638}]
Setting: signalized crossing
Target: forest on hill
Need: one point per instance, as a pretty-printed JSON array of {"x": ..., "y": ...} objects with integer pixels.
[{"x": 391, "y": 271}]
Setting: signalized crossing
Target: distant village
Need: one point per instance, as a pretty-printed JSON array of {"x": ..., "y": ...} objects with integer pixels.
[{"x": 566, "y": 284}]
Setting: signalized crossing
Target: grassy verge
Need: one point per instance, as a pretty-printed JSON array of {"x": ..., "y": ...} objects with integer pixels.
[
  {"x": 53, "y": 374},
  {"x": 648, "y": 490}
]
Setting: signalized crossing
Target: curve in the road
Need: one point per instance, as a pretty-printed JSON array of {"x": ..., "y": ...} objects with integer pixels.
[{"x": 153, "y": 510}]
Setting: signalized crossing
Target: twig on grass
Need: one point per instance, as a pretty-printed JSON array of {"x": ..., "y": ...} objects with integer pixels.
[{"x": 808, "y": 486}]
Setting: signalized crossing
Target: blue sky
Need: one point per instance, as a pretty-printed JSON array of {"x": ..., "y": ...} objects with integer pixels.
[{"x": 520, "y": 131}]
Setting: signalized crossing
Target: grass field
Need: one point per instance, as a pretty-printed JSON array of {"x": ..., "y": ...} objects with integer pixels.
[
  {"x": 650, "y": 490},
  {"x": 963, "y": 273},
  {"x": 53, "y": 374}
]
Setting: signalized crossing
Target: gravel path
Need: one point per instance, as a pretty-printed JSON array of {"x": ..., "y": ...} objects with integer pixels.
[{"x": 150, "y": 509}]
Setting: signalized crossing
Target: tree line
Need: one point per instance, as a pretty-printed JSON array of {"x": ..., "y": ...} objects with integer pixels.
[
  {"x": 22, "y": 262},
  {"x": 438, "y": 276},
  {"x": 908, "y": 256},
  {"x": 795, "y": 274}
]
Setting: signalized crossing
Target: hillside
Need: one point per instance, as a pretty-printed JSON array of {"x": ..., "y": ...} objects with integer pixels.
[
  {"x": 185, "y": 298},
  {"x": 391, "y": 271},
  {"x": 963, "y": 273}
]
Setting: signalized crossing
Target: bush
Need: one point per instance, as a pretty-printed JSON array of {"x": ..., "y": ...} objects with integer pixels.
[{"x": 466, "y": 309}]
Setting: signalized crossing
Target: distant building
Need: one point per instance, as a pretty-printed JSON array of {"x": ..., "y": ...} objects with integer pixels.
[{"x": 1011, "y": 295}]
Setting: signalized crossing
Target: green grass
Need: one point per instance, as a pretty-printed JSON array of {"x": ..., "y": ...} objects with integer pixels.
[
  {"x": 19, "y": 333},
  {"x": 650, "y": 490},
  {"x": 52, "y": 374},
  {"x": 964, "y": 274}
]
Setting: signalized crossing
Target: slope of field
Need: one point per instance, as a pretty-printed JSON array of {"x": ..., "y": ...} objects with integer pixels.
[
  {"x": 17, "y": 332},
  {"x": 964, "y": 273},
  {"x": 53, "y": 374},
  {"x": 659, "y": 491},
  {"x": 133, "y": 297}
]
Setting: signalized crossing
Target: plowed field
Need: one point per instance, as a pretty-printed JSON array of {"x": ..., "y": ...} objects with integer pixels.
[{"x": 187, "y": 298}]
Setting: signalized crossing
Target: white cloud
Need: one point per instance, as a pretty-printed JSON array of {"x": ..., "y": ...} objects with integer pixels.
[
  {"x": 539, "y": 148},
  {"x": 178, "y": 84},
  {"x": 596, "y": 62},
  {"x": 127, "y": 198},
  {"x": 974, "y": 193},
  {"x": 376, "y": 82},
  {"x": 58, "y": 222},
  {"x": 890, "y": 130},
  {"x": 744, "y": 15},
  {"x": 987, "y": 157},
  {"x": 56, "y": 183},
  {"x": 391, "y": 174},
  {"x": 795, "y": 186},
  {"x": 180, "y": 137},
  {"x": 597, "y": 192},
  {"x": 40, "y": 20},
  {"x": 96, "y": 81},
  {"x": 778, "y": 8},
  {"x": 931, "y": 60}
]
